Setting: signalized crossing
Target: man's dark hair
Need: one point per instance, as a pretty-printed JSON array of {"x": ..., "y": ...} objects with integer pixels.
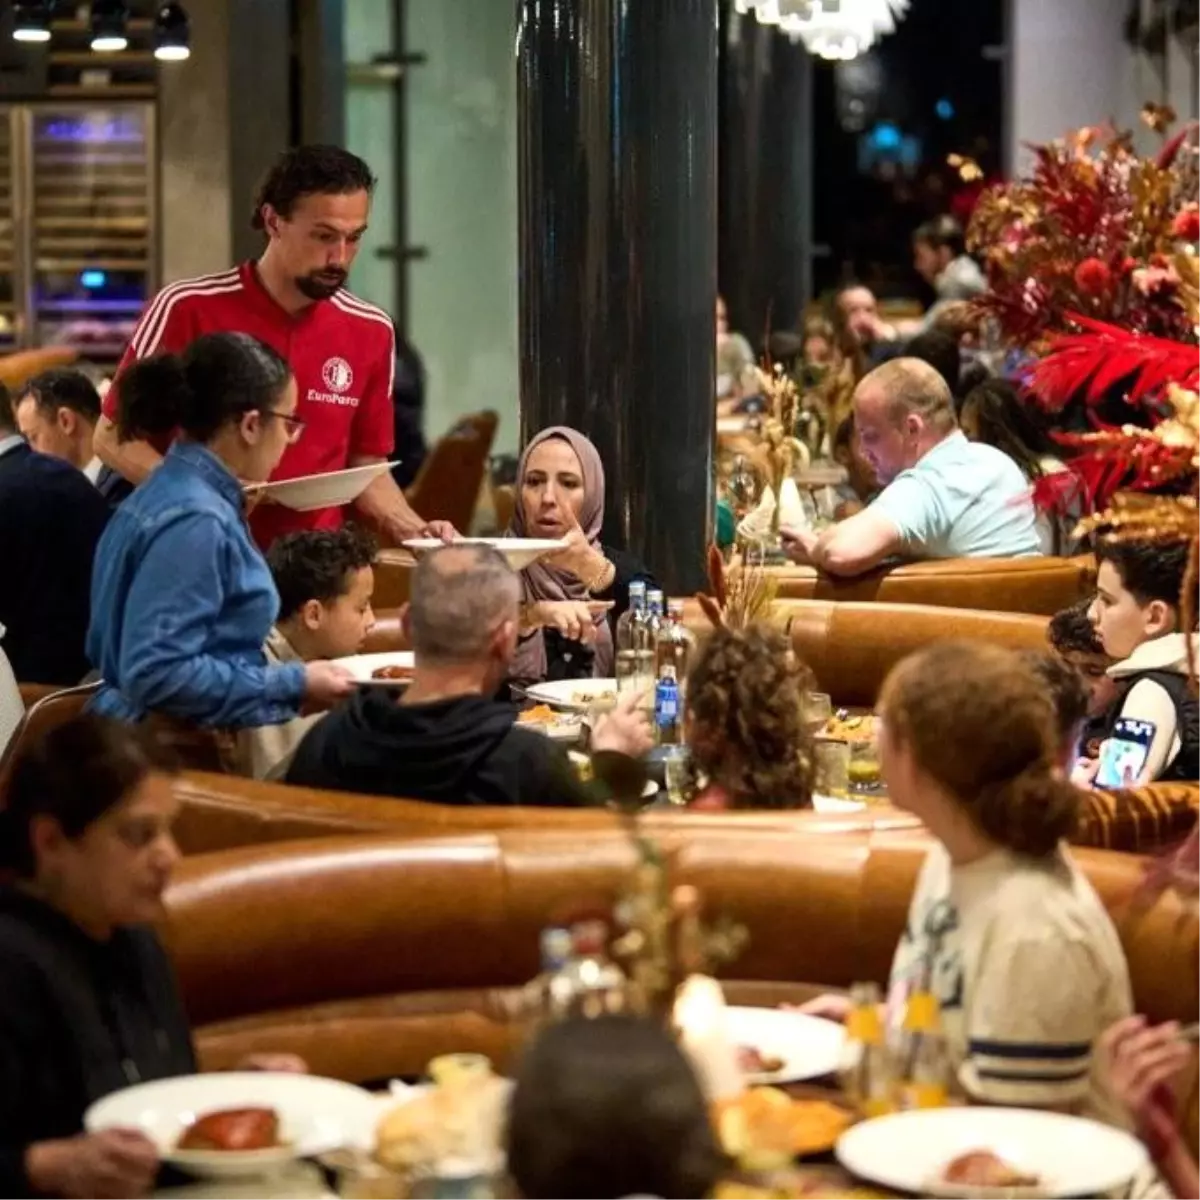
[
  {"x": 62, "y": 387},
  {"x": 940, "y": 351},
  {"x": 942, "y": 231},
  {"x": 1148, "y": 570},
  {"x": 309, "y": 171},
  {"x": 1065, "y": 687},
  {"x": 317, "y": 564},
  {"x": 1071, "y": 630}
]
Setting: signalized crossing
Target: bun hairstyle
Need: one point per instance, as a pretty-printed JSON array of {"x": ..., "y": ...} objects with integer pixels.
[
  {"x": 74, "y": 773},
  {"x": 609, "y": 1106},
  {"x": 217, "y": 379},
  {"x": 979, "y": 722},
  {"x": 746, "y": 698}
]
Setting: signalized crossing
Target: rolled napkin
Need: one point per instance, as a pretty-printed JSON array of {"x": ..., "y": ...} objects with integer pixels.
[{"x": 756, "y": 525}]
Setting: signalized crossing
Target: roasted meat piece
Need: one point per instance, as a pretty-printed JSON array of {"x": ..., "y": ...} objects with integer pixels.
[
  {"x": 982, "y": 1168},
  {"x": 233, "y": 1129}
]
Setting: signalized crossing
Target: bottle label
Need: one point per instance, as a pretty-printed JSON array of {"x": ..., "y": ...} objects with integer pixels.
[{"x": 666, "y": 703}]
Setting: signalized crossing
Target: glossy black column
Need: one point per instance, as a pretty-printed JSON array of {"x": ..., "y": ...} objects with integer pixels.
[
  {"x": 618, "y": 243},
  {"x": 765, "y": 196}
]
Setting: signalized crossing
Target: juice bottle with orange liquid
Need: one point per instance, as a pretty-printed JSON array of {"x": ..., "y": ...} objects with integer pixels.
[
  {"x": 867, "y": 1073},
  {"x": 923, "y": 1071}
]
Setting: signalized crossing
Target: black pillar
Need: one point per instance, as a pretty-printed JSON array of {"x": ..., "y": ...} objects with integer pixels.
[
  {"x": 618, "y": 243},
  {"x": 765, "y": 212}
]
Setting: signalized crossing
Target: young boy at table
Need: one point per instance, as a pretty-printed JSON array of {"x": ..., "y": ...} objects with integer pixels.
[
  {"x": 1137, "y": 613},
  {"x": 325, "y": 580}
]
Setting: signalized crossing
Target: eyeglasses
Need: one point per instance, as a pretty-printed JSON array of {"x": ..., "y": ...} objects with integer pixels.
[{"x": 294, "y": 425}]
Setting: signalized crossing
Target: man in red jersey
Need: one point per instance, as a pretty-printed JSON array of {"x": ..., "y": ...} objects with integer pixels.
[{"x": 313, "y": 207}]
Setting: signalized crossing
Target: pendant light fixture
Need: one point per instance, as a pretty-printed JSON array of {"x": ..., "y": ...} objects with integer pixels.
[
  {"x": 31, "y": 20},
  {"x": 109, "y": 31},
  {"x": 171, "y": 33}
]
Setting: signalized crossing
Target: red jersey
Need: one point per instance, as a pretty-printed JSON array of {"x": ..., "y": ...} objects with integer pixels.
[{"x": 342, "y": 352}]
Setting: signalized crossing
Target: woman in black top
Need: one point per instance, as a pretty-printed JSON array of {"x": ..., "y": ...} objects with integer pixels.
[
  {"x": 88, "y": 1002},
  {"x": 572, "y": 599}
]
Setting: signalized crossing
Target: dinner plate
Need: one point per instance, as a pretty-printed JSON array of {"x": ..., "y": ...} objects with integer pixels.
[
  {"x": 1071, "y": 1156},
  {"x": 363, "y": 666},
  {"x": 836, "y": 804},
  {"x": 574, "y": 695},
  {"x": 809, "y": 1046},
  {"x": 330, "y": 490},
  {"x": 519, "y": 552},
  {"x": 315, "y": 1115},
  {"x": 565, "y": 727}
]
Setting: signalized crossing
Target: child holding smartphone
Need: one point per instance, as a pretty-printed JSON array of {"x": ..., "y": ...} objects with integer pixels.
[{"x": 1136, "y": 613}]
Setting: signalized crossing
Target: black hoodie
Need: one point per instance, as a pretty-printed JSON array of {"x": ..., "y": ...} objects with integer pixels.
[{"x": 466, "y": 750}]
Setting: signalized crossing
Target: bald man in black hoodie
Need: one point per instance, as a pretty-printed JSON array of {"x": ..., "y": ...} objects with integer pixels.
[{"x": 447, "y": 738}]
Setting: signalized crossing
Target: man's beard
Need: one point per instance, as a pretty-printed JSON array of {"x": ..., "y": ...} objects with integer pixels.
[{"x": 320, "y": 285}]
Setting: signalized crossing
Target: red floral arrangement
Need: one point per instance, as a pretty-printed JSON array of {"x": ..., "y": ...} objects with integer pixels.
[{"x": 1094, "y": 230}]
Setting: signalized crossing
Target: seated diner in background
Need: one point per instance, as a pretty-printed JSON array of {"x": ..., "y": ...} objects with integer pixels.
[
  {"x": 744, "y": 722},
  {"x": 51, "y": 521},
  {"x": 182, "y": 600},
  {"x": 1003, "y": 930},
  {"x": 571, "y": 600},
  {"x": 1139, "y": 619},
  {"x": 57, "y": 413},
  {"x": 1073, "y": 638},
  {"x": 325, "y": 580},
  {"x": 447, "y": 738},
  {"x": 943, "y": 497},
  {"x": 89, "y": 1004}
]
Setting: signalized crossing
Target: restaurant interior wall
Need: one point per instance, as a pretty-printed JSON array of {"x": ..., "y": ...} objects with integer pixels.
[{"x": 448, "y": 209}]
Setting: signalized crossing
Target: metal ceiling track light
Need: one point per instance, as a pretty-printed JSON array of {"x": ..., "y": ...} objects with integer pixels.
[
  {"x": 31, "y": 21},
  {"x": 172, "y": 33},
  {"x": 110, "y": 31}
]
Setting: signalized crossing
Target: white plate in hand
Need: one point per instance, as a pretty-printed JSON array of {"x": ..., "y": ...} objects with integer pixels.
[
  {"x": 573, "y": 695},
  {"x": 809, "y": 1047},
  {"x": 519, "y": 552},
  {"x": 330, "y": 490},
  {"x": 316, "y": 1115},
  {"x": 364, "y": 666},
  {"x": 1071, "y": 1156}
]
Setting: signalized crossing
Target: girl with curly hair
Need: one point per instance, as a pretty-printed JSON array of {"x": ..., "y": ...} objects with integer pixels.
[{"x": 745, "y": 717}]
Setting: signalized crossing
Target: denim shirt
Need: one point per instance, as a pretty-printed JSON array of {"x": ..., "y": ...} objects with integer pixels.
[{"x": 182, "y": 602}]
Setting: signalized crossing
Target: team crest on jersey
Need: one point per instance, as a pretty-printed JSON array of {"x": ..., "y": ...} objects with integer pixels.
[{"x": 337, "y": 375}]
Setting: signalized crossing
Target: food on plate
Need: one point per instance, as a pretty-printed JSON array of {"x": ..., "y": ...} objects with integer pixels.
[
  {"x": 754, "y": 1062},
  {"x": 982, "y": 1168},
  {"x": 232, "y": 1129},
  {"x": 764, "y": 1127},
  {"x": 392, "y": 672},
  {"x": 460, "y": 1117},
  {"x": 846, "y": 728},
  {"x": 539, "y": 714}
]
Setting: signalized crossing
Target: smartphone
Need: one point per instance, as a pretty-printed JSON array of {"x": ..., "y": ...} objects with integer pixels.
[{"x": 1124, "y": 752}]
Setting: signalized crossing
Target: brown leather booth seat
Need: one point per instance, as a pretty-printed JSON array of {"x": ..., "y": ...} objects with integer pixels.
[
  {"x": 1029, "y": 585},
  {"x": 851, "y": 646},
  {"x": 220, "y": 812},
  {"x": 368, "y": 955}
]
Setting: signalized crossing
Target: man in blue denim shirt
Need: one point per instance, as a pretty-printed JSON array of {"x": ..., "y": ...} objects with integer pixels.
[{"x": 184, "y": 635}]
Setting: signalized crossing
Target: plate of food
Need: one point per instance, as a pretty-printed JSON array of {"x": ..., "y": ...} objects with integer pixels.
[
  {"x": 562, "y": 727},
  {"x": 393, "y": 668},
  {"x": 520, "y": 552},
  {"x": 845, "y": 726},
  {"x": 329, "y": 490},
  {"x": 235, "y": 1123},
  {"x": 992, "y": 1152},
  {"x": 765, "y": 1128},
  {"x": 573, "y": 695},
  {"x": 778, "y": 1046}
]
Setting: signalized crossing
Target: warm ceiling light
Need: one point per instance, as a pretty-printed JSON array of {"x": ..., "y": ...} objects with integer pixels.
[
  {"x": 171, "y": 33},
  {"x": 108, "y": 26},
  {"x": 31, "y": 21}
]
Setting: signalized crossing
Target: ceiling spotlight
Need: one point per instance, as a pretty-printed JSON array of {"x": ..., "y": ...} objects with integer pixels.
[
  {"x": 108, "y": 26},
  {"x": 171, "y": 33},
  {"x": 31, "y": 20}
]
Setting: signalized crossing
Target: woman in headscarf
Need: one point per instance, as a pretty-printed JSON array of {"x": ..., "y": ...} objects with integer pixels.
[{"x": 572, "y": 599}]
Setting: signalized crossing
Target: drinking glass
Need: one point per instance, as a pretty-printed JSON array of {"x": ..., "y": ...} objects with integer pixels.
[
  {"x": 677, "y": 774},
  {"x": 831, "y": 767},
  {"x": 863, "y": 770},
  {"x": 818, "y": 708}
]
